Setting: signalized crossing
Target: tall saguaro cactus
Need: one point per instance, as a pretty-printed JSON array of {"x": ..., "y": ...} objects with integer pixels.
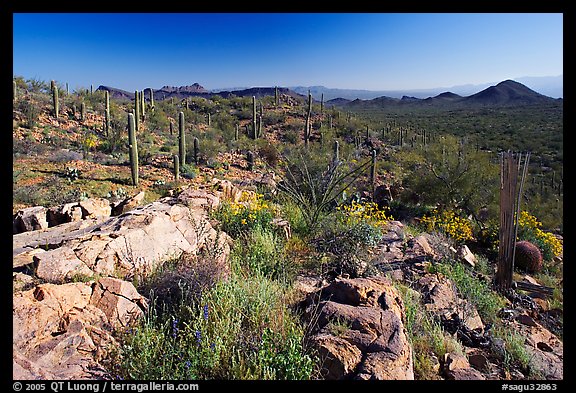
[
  {"x": 55, "y": 101},
  {"x": 322, "y": 104},
  {"x": 133, "y": 148},
  {"x": 254, "y": 130},
  {"x": 107, "y": 112},
  {"x": 137, "y": 109},
  {"x": 276, "y": 97},
  {"x": 151, "y": 99},
  {"x": 83, "y": 111},
  {"x": 308, "y": 123},
  {"x": 181, "y": 139},
  {"x": 250, "y": 159}
]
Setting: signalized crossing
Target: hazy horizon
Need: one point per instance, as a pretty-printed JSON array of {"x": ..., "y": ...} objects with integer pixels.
[{"x": 377, "y": 52}]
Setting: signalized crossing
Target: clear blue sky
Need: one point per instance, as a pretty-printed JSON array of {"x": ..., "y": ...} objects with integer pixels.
[{"x": 339, "y": 50}]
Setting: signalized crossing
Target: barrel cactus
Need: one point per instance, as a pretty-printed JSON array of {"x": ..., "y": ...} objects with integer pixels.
[{"x": 528, "y": 256}]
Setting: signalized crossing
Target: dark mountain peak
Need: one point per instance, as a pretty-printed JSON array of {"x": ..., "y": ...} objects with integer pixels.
[
  {"x": 408, "y": 99},
  {"x": 507, "y": 92},
  {"x": 448, "y": 95}
]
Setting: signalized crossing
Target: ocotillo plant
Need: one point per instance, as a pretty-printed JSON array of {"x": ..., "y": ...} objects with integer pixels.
[
  {"x": 137, "y": 109},
  {"x": 83, "y": 111},
  {"x": 176, "y": 168},
  {"x": 250, "y": 160},
  {"x": 91, "y": 89},
  {"x": 181, "y": 138},
  {"x": 133, "y": 148},
  {"x": 55, "y": 101},
  {"x": 196, "y": 150},
  {"x": 308, "y": 125},
  {"x": 254, "y": 131}
]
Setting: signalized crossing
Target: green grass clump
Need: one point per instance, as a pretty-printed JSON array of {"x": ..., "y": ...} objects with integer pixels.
[{"x": 478, "y": 292}]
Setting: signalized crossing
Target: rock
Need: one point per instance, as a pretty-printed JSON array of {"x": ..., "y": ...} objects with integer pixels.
[
  {"x": 369, "y": 312},
  {"x": 529, "y": 279},
  {"x": 198, "y": 198},
  {"x": 128, "y": 204},
  {"x": 339, "y": 358},
  {"x": 228, "y": 191},
  {"x": 457, "y": 367},
  {"x": 30, "y": 219},
  {"x": 59, "y": 331},
  {"x": 467, "y": 256},
  {"x": 26, "y": 257},
  {"x": 479, "y": 362},
  {"x": 58, "y": 265},
  {"x": 119, "y": 301},
  {"x": 95, "y": 207},
  {"x": 465, "y": 374},
  {"x": 441, "y": 298},
  {"x": 526, "y": 320},
  {"x": 453, "y": 361},
  {"x": 20, "y": 281},
  {"x": 133, "y": 244}
]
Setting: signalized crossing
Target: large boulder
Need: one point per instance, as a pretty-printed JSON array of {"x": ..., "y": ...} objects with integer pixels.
[
  {"x": 130, "y": 245},
  {"x": 30, "y": 219},
  {"x": 358, "y": 330},
  {"x": 63, "y": 331}
]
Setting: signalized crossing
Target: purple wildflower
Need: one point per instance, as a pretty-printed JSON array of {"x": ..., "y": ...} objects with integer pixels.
[
  {"x": 174, "y": 328},
  {"x": 205, "y": 311},
  {"x": 198, "y": 337}
]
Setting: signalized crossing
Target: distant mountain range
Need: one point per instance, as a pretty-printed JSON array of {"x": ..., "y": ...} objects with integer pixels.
[
  {"x": 505, "y": 93},
  {"x": 196, "y": 90},
  {"x": 552, "y": 86}
]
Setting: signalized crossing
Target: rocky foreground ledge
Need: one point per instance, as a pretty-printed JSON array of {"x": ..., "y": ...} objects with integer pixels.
[{"x": 63, "y": 327}]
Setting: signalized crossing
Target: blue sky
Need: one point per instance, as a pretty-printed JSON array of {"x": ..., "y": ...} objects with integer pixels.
[{"x": 375, "y": 51}]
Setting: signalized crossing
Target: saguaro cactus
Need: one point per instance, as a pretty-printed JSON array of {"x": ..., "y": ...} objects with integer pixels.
[
  {"x": 55, "y": 101},
  {"x": 143, "y": 107},
  {"x": 308, "y": 125},
  {"x": 107, "y": 112},
  {"x": 133, "y": 148},
  {"x": 15, "y": 90},
  {"x": 276, "y": 102},
  {"x": 209, "y": 120},
  {"x": 196, "y": 150},
  {"x": 181, "y": 138},
  {"x": 151, "y": 98},
  {"x": 322, "y": 103},
  {"x": 176, "y": 168},
  {"x": 83, "y": 111},
  {"x": 137, "y": 109},
  {"x": 254, "y": 130},
  {"x": 236, "y": 131}
]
